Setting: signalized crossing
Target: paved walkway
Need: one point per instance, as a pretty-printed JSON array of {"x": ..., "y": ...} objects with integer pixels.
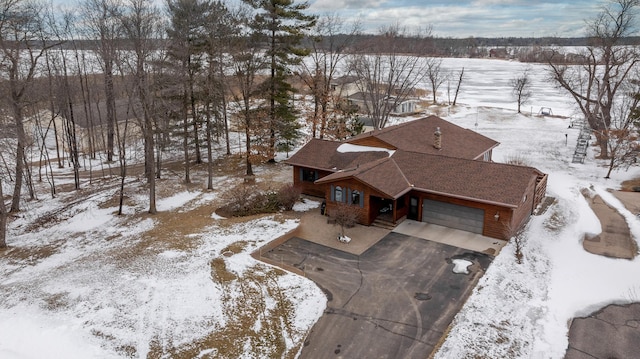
[
  {"x": 612, "y": 332},
  {"x": 452, "y": 237},
  {"x": 615, "y": 240},
  {"x": 314, "y": 228}
]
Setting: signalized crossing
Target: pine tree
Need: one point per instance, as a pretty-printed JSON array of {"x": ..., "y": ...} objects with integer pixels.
[{"x": 281, "y": 25}]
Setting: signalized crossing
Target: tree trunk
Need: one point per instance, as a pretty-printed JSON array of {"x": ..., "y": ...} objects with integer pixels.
[
  {"x": 17, "y": 189},
  {"x": 3, "y": 219},
  {"x": 185, "y": 142},
  {"x": 209, "y": 150},
  {"x": 602, "y": 139},
  {"x": 111, "y": 104},
  {"x": 247, "y": 133},
  {"x": 455, "y": 97}
]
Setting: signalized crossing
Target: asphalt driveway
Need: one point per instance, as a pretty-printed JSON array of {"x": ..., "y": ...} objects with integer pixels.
[{"x": 393, "y": 301}]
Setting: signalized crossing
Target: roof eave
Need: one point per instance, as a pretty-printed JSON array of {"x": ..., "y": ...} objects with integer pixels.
[{"x": 495, "y": 203}]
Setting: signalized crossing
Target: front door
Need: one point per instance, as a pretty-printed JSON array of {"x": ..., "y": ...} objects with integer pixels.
[{"x": 413, "y": 208}]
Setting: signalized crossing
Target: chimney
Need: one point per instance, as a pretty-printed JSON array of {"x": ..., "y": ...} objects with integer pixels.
[{"x": 437, "y": 139}]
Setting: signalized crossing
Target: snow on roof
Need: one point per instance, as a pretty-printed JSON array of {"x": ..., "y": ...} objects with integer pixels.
[{"x": 347, "y": 147}]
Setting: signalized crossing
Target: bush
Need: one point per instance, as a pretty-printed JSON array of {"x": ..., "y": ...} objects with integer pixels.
[
  {"x": 517, "y": 159},
  {"x": 246, "y": 200},
  {"x": 241, "y": 200},
  {"x": 288, "y": 195}
]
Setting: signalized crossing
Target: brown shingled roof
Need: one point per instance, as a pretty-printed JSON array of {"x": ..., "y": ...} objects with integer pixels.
[
  {"x": 416, "y": 164},
  {"x": 417, "y": 136},
  {"x": 323, "y": 154},
  {"x": 484, "y": 181},
  {"x": 384, "y": 175}
]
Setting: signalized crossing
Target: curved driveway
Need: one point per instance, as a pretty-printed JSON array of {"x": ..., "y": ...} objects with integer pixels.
[{"x": 393, "y": 301}]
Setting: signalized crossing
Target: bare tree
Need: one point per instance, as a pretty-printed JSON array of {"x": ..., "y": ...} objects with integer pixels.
[
  {"x": 248, "y": 62},
  {"x": 594, "y": 85},
  {"x": 329, "y": 42},
  {"x": 386, "y": 77},
  {"x": 22, "y": 45},
  {"x": 3, "y": 219},
  {"x": 521, "y": 88},
  {"x": 624, "y": 148},
  {"x": 141, "y": 22},
  {"x": 221, "y": 27},
  {"x": 345, "y": 215},
  {"x": 458, "y": 85},
  {"x": 435, "y": 75},
  {"x": 102, "y": 23}
]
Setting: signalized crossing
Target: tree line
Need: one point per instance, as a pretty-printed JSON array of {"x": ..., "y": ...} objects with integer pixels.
[{"x": 116, "y": 73}]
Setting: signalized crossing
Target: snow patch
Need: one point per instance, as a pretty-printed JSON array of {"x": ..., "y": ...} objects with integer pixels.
[
  {"x": 461, "y": 266},
  {"x": 347, "y": 147}
]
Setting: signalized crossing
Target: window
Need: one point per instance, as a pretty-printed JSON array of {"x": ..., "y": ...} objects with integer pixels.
[
  {"x": 355, "y": 197},
  {"x": 338, "y": 194},
  {"x": 309, "y": 175}
]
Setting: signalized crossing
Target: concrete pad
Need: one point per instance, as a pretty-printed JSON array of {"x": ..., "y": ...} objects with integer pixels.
[
  {"x": 631, "y": 200},
  {"x": 615, "y": 240},
  {"x": 314, "y": 228},
  {"x": 453, "y": 237},
  {"x": 612, "y": 332}
]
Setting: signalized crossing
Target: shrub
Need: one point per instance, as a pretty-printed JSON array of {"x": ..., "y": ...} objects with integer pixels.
[
  {"x": 517, "y": 159},
  {"x": 288, "y": 195},
  {"x": 241, "y": 200},
  {"x": 246, "y": 200}
]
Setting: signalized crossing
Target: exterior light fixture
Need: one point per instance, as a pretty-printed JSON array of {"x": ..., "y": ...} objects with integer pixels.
[{"x": 497, "y": 216}]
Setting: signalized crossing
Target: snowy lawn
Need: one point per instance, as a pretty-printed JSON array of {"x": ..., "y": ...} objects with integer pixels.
[{"x": 78, "y": 281}]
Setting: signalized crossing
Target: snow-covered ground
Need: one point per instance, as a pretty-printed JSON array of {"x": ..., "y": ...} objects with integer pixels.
[{"x": 111, "y": 286}]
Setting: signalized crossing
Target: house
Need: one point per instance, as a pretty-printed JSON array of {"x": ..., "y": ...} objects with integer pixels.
[
  {"x": 398, "y": 106},
  {"x": 427, "y": 170},
  {"x": 345, "y": 86}
]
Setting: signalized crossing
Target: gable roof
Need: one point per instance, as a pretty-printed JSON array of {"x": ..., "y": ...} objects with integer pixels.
[
  {"x": 324, "y": 154},
  {"x": 417, "y": 136},
  {"x": 487, "y": 182}
]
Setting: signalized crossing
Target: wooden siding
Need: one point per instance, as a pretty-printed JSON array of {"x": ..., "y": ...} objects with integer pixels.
[
  {"x": 309, "y": 188},
  {"x": 348, "y": 186},
  {"x": 541, "y": 189},
  {"x": 523, "y": 212}
]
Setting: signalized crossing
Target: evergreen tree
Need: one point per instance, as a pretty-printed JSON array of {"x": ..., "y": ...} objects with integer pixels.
[
  {"x": 281, "y": 25},
  {"x": 187, "y": 45}
]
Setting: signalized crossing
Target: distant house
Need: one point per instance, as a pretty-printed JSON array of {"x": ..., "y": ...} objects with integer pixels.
[
  {"x": 344, "y": 86},
  {"x": 398, "y": 107},
  {"x": 499, "y": 53},
  {"x": 427, "y": 170}
]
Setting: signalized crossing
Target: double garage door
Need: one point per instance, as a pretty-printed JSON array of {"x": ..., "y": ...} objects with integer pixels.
[{"x": 453, "y": 216}]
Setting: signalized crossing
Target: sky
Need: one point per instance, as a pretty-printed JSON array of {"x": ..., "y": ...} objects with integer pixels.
[
  {"x": 469, "y": 18},
  {"x": 457, "y": 18}
]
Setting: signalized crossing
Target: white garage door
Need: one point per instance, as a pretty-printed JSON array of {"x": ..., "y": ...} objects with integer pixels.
[{"x": 453, "y": 216}]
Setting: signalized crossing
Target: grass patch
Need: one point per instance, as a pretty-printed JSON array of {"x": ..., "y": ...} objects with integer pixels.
[
  {"x": 258, "y": 321},
  {"x": 219, "y": 271},
  {"x": 235, "y": 247},
  {"x": 632, "y": 185}
]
